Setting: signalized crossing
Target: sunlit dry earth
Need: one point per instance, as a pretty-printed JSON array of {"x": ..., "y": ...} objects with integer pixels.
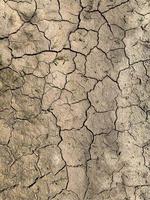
[{"x": 74, "y": 100}]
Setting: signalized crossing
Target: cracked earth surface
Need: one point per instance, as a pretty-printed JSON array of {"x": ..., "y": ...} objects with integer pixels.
[{"x": 75, "y": 100}]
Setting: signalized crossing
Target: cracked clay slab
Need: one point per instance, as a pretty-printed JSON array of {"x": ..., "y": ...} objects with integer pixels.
[{"x": 74, "y": 100}]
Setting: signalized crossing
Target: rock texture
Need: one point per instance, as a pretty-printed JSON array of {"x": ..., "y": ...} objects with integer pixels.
[{"x": 74, "y": 100}]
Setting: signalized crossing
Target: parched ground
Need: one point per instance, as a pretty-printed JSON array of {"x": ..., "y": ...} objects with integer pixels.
[{"x": 74, "y": 100}]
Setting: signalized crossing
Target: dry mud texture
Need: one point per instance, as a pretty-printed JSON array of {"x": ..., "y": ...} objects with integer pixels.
[{"x": 74, "y": 100}]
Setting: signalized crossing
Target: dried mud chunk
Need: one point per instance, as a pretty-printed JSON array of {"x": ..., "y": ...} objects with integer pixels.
[
  {"x": 99, "y": 177},
  {"x": 26, "y": 64},
  {"x": 57, "y": 32},
  {"x": 134, "y": 175},
  {"x": 56, "y": 79},
  {"x": 126, "y": 17},
  {"x": 24, "y": 170},
  {"x": 51, "y": 94},
  {"x": 10, "y": 21},
  {"x": 33, "y": 86},
  {"x": 128, "y": 117},
  {"x": 97, "y": 65},
  {"x": 80, "y": 61},
  {"x": 5, "y": 100},
  {"x": 50, "y": 185},
  {"x": 103, "y": 97},
  {"x": 137, "y": 44},
  {"x": 26, "y": 10},
  {"x": 5, "y": 161},
  {"x": 18, "y": 192},
  {"x": 140, "y": 132},
  {"x": 10, "y": 79},
  {"x": 70, "y": 116},
  {"x": 142, "y": 7},
  {"x": 28, "y": 40},
  {"x": 133, "y": 83},
  {"x": 5, "y": 54},
  {"x": 105, "y": 5},
  {"x": 8, "y": 116},
  {"x": 119, "y": 61},
  {"x": 143, "y": 192},
  {"x": 135, "y": 172},
  {"x": 50, "y": 160},
  {"x": 117, "y": 193},
  {"x": 70, "y": 11},
  {"x": 25, "y": 106},
  {"x": 116, "y": 16},
  {"x": 28, "y": 136},
  {"x": 75, "y": 146},
  {"x": 100, "y": 123},
  {"x": 46, "y": 10},
  {"x": 5, "y": 158},
  {"x": 146, "y": 155},
  {"x": 66, "y": 195},
  {"x": 77, "y": 184},
  {"x": 21, "y": 1},
  {"x": 79, "y": 85},
  {"x": 91, "y": 20},
  {"x": 105, "y": 147},
  {"x": 83, "y": 41},
  {"x": 114, "y": 36},
  {"x": 5, "y": 132},
  {"x": 36, "y": 64},
  {"x": 90, "y": 4},
  {"x": 64, "y": 62},
  {"x": 146, "y": 63}
]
